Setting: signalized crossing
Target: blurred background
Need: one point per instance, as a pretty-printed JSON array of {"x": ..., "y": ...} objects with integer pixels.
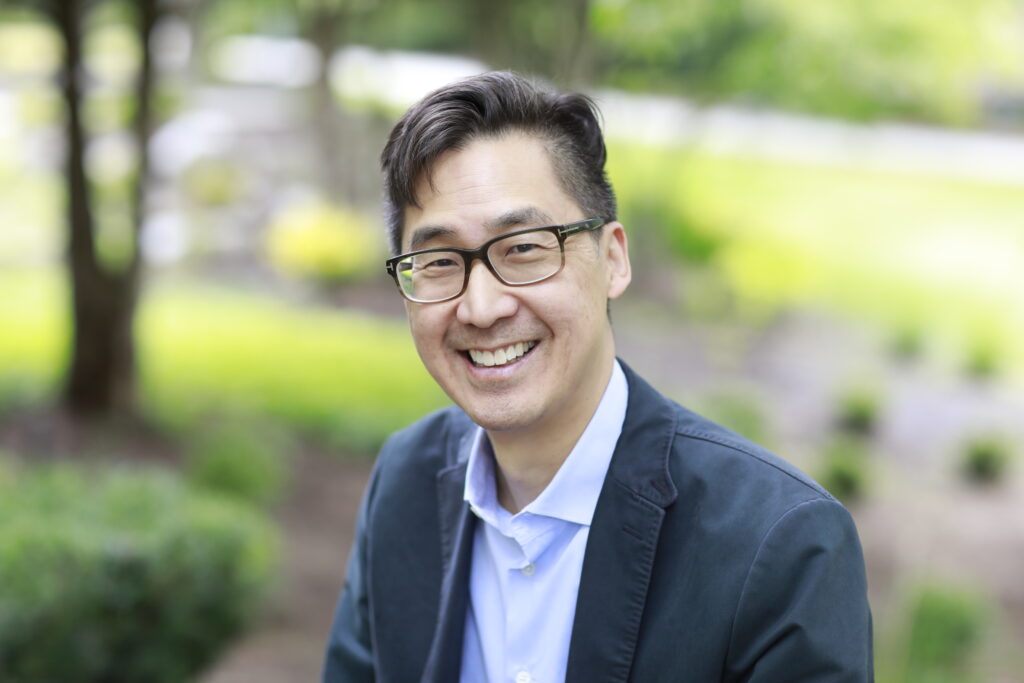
[{"x": 200, "y": 352}]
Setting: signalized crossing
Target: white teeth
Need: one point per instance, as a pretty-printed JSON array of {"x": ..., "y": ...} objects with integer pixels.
[{"x": 501, "y": 356}]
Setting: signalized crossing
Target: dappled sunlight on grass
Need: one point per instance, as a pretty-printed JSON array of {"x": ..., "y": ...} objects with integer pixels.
[
  {"x": 343, "y": 374},
  {"x": 208, "y": 352},
  {"x": 35, "y": 323}
]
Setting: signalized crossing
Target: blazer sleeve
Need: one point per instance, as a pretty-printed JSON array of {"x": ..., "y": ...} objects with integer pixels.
[
  {"x": 349, "y": 657},
  {"x": 803, "y": 613}
]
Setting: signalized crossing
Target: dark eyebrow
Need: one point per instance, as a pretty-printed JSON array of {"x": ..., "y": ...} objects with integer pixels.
[
  {"x": 525, "y": 216},
  {"x": 426, "y": 233}
]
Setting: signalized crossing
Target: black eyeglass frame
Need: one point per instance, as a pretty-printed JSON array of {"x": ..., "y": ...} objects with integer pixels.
[{"x": 561, "y": 232}]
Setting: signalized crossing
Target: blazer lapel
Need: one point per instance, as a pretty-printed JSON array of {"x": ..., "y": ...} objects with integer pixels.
[
  {"x": 456, "y": 526},
  {"x": 623, "y": 540}
]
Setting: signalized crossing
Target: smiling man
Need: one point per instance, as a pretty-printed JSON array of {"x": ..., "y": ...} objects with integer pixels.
[{"x": 564, "y": 521}]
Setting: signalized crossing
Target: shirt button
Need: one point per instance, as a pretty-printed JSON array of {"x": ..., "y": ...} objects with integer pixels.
[
  {"x": 524, "y": 676},
  {"x": 528, "y": 570}
]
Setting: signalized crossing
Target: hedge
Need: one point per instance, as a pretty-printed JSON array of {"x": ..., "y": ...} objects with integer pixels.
[{"x": 122, "y": 575}]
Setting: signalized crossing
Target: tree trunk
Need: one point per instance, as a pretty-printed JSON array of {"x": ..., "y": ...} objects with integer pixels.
[
  {"x": 101, "y": 378},
  {"x": 322, "y": 26},
  {"x": 573, "y": 57},
  {"x": 492, "y": 22}
]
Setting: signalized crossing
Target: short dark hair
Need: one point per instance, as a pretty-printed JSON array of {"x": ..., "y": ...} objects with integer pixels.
[{"x": 489, "y": 105}]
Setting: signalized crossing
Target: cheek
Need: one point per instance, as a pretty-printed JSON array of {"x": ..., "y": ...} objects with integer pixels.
[{"x": 427, "y": 332}]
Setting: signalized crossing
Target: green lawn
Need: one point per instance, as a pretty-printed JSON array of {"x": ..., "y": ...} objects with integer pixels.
[
  {"x": 944, "y": 256},
  {"x": 206, "y": 351}
]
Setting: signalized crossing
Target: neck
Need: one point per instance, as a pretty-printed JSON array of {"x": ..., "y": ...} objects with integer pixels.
[{"x": 527, "y": 460}]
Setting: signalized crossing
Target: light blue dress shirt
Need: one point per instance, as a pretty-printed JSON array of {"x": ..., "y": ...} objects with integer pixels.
[{"x": 526, "y": 567}]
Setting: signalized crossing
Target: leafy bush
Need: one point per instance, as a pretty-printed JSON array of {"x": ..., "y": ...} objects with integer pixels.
[
  {"x": 844, "y": 472},
  {"x": 946, "y": 626},
  {"x": 986, "y": 460},
  {"x": 121, "y": 576},
  {"x": 858, "y": 411},
  {"x": 323, "y": 242},
  {"x": 907, "y": 343},
  {"x": 983, "y": 360},
  {"x": 864, "y": 60},
  {"x": 240, "y": 460}
]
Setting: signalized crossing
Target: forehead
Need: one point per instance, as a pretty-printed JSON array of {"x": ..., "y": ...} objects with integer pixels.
[{"x": 472, "y": 188}]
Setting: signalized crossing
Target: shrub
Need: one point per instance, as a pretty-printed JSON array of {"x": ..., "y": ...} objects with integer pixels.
[
  {"x": 239, "y": 460},
  {"x": 858, "y": 411},
  {"x": 907, "y": 343},
  {"x": 323, "y": 242},
  {"x": 983, "y": 361},
  {"x": 844, "y": 473},
  {"x": 986, "y": 460},
  {"x": 946, "y": 626},
  {"x": 121, "y": 576}
]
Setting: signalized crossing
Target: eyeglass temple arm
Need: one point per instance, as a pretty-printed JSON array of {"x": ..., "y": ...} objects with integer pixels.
[{"x": 581, "y": 226}]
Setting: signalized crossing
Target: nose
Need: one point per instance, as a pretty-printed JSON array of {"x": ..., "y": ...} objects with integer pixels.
[{"x": 486, "y": 299}]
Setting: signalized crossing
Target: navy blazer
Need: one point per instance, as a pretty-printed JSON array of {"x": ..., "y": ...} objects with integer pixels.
[{"x": 709, "y": 559}]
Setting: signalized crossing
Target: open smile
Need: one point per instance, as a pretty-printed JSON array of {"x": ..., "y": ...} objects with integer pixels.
[{"x": 501, "y": 356}]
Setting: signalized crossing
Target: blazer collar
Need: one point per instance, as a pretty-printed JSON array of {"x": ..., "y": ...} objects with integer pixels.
[
  {"x": 623, "y": 539},
  {"x": 620, "y": 550},
  {"x": 456, "y": 525}
]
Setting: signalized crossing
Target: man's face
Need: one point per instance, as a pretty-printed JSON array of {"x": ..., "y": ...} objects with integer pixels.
[{"x": 494, "y": 186}]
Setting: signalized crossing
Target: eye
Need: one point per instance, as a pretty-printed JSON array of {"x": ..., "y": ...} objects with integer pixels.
[
  {"x": 438, "y": 265},
  {"x": 524, "y": 248}
]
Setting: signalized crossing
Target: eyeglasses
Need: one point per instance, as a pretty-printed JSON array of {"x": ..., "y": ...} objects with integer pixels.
[{"x": 524, "y": 257}]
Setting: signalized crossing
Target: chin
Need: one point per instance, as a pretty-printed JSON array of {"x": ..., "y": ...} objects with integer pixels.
[{"x": 498, "y": 418}]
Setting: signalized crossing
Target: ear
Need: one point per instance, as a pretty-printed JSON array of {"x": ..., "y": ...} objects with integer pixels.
[{"x": 616, "y": 252}]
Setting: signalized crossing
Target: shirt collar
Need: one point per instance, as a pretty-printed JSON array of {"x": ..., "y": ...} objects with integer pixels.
[{"x": 572, "y": 493}]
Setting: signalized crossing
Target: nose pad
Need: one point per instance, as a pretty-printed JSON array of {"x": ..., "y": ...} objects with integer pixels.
[{"x": 486, "y": 299}]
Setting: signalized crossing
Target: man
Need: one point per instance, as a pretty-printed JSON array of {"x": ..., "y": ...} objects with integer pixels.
[{"x": 565, "y": 521}]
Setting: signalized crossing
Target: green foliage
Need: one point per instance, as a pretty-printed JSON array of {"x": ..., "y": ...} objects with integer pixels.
[
  {"x": 238, "y": 459},
  {"x": 213, "y": 182},
  {"x": 983, "y": 360},
  {"x": 121, "y": 575},
  {"x": 858, "y": 411},
  {"x": 986, "y": 460},
  {"x": 29, "y": 48},
  {"x": 655, "y": 198},
  {"x": 907, "y": 343},
  {"x": 323, "y": 242},
  {"x": 946, "y": 628},
  {"x": 859, "y": 60},
  {"x": 845, "y": 470},
  {"x": 810, "y": 235},
  {"x": 38, "y": 106}
]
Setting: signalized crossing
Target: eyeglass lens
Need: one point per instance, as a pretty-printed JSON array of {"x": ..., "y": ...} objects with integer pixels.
[{"x": 518, "y": 260}]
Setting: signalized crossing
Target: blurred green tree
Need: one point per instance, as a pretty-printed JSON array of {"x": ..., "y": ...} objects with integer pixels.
[
  {"x": 101, "y": 371},
  {"x": 327, "y": 25},
  {"x": 859, "y": 59}
]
